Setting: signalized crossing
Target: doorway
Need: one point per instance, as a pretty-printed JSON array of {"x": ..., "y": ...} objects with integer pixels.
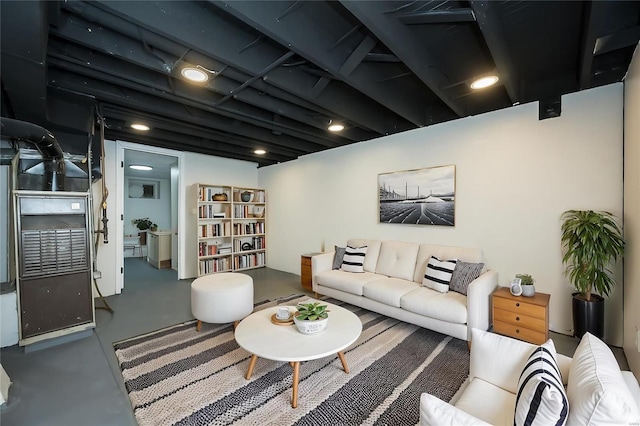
[{"x": 148, "y": 207}]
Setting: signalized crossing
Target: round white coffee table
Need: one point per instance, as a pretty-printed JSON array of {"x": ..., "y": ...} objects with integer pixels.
[{"x": 259, "y": 336}]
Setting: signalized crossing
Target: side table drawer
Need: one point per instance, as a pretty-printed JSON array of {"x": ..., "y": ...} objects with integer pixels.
[
  {"x": 520, "y": 307},
  {"x": 518, "y": 332},
  {"x": 520, "y": 320}
]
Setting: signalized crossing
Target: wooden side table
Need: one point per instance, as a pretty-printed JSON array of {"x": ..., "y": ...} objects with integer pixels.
[
  {"x": 305, "y": 271},
  {"x": 524, "y": 318}
]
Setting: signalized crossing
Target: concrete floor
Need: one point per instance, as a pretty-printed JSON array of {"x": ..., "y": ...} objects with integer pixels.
[{"x": 79, "y": 382}]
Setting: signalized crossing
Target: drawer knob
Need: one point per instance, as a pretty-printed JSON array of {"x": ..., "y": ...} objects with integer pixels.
[
  {"x": 517, "y": 304},
  {"x": 517, "y": 318},
  {"x": 517, "y": 330}
]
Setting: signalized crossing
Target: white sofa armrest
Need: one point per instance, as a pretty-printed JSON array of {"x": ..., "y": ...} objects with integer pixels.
[
  {"x": 320, "y": 263},
  {"x": 633, "y": 386},
  {"x": 479, "y": 301},
  {"x": 436, "y": 412},
  {"x": 497, "y": 359}
]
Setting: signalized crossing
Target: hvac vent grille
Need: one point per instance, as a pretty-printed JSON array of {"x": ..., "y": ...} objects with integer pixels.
[{"x": 54, "y": 251}]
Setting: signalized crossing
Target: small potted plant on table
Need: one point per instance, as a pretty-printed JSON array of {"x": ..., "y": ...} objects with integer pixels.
[
  {"x": 526, "y": 281},
  {"x": 311, "y": 318}
]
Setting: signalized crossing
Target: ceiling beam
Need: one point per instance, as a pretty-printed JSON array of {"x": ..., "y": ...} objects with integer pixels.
[
  {"x": 226, "y": 83},
  {"x": 109, "y": 92},
  {"x": 617, "y": 40},
  {"x": 195, "y": 27},
  {"x": 494, "y": 37},
  {"x": 437, "y": 17},
  {"x": 398, "y": 38},
  {"x": 590, "y": 19},
  {"x": 253, "y": 126},
  {"x": 301, "y": 33}
]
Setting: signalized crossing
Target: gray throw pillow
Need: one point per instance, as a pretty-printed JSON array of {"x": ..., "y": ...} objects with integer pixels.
[
  {"x": 337, "y": 257},
  {"x": 462, "y": 276}
]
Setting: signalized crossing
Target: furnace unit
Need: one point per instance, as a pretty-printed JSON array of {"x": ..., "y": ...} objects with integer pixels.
[{"x": 54, "y": 263}]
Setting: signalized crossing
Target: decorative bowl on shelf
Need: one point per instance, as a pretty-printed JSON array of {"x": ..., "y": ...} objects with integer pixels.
[
  {"x": 245, "y": 196},
  {"x": 219, "y": 197}
]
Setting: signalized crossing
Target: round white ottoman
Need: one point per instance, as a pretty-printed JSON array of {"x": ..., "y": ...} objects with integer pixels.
[{"x": 221, "y": 298}]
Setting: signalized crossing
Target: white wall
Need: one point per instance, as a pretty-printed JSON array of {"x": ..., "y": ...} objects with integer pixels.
[
  {"x": 632, "y": 213},
  {"x": 515, "y": 175},
  {"x": 158, "y": 210},
  {"x": 195, "y": 168}
]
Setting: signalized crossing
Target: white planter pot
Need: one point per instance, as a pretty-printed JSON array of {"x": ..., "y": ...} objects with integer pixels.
[
  {"x": 528, "y": 290},
  {"x": 310, "y": 327}
]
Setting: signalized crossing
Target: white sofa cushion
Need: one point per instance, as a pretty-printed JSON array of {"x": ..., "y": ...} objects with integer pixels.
[
  {"x": 541, "y": 399},
  {"x": 487, "y": 402},
  {"x": 435, "y": 412},
  {"x": 437, "y": 274},
  {"x": 353, "y": 259},
  {"x": 397, "y": 259},
  {"x": 345, "y": 281},
  {"x": 486, "y": 365},
  {"x": 597, "y": 391},
  {"x": 388, "y": 291},
  {"x": 373, "y": 251},
  {"x": 425, "y": 252},
  {"x": 449, "y": 307}
]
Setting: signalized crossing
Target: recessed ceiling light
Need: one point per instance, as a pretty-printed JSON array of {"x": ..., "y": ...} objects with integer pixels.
[
  {"x": 484, "y": 82},
  {"x": 260, "y": 151},
  {"x": 140, "y": 167},
  {"x": 336, "y": 127},
  {"x": 194, "y": 74},
  {"x": 140, "y": 126}
]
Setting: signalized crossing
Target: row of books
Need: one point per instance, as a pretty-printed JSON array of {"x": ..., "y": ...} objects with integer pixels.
[
  {"x": 206, "y": 249},
  {"x": 257, "y": 243},
  {"x": 249, "y": 260},
  {"x": 211, "y": 211},
  {"x": 222, "y": 229},
  {"x": 214, "y": 265},
  {"x": 248, "y": 228}
]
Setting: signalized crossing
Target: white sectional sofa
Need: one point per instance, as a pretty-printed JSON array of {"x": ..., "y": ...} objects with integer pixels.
[
  {"x": 391, "y": 284},
  {"x": 597, "y": 392}
]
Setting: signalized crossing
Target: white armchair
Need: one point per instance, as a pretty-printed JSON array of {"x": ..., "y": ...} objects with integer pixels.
[{"x": 489, "y": 394}]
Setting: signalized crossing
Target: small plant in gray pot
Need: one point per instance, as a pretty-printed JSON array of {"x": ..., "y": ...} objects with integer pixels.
[
  {"x": 526, "y": 281},
  {"x": 311, "y": 318}
]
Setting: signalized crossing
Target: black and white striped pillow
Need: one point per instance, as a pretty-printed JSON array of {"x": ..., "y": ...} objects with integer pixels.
[
  {"x": 541, "y": 398},
  {"x": 437, "y": 274},
  {"x": 353, "y": 260}
]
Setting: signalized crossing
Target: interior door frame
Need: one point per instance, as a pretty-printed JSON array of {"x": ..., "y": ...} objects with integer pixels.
[{"x": 120, "y": 148}]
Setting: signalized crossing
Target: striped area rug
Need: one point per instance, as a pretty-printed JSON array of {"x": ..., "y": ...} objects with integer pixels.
[{"x": 177, "y": 376}]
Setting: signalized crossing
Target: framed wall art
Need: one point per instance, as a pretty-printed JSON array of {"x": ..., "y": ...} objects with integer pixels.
[{"x": 418, "y": 197}]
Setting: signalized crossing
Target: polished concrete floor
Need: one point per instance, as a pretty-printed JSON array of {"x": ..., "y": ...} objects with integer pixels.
[{"x": 79, "y": 382}]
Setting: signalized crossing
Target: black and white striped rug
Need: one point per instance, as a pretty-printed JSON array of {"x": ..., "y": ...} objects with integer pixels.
[{"x": 178, "y": 376}]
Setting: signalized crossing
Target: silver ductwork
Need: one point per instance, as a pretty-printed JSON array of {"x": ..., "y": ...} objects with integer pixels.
[{"x": 47, "y": 146}]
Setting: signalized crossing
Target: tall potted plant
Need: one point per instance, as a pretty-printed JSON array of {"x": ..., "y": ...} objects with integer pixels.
[{"x": 592, "y": 242}]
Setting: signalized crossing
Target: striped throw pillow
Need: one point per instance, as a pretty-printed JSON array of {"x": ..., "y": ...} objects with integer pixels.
[
  {"x": 353, "y": 260},
  {"x": 541, "y": 398},
  {"x": 437, "y": 275}
]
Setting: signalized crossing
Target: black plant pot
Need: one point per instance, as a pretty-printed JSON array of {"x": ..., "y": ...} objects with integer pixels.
[{"x": 588, "y": 315}]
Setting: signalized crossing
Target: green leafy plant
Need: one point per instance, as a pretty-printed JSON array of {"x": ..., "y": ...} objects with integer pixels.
[
  {"x": 311, "y": 311},
  {"x": 143, "y": 224},
  {"x": 525, "y": 279},
  {"x": 593, "y": 241}
]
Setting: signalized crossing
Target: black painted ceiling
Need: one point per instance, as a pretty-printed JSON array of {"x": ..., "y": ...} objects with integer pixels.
[{"x": 281, "y": 70}]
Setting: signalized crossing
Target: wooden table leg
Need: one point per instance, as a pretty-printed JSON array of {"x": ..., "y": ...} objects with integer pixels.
[
  {"x": 252, "y": 363},
  {"x": 344, "y": 362},
  {"x": 198, "y": 325},
  {"x": 296, "y": 375}
]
